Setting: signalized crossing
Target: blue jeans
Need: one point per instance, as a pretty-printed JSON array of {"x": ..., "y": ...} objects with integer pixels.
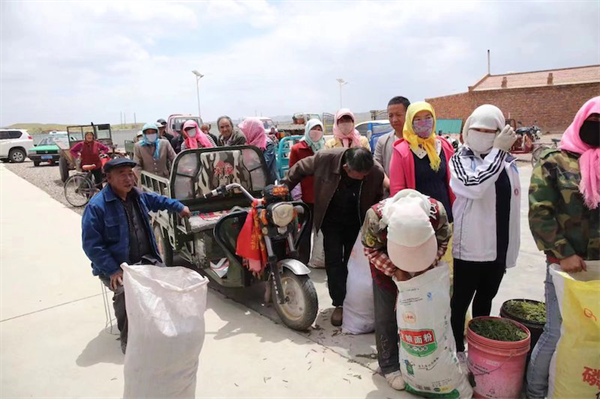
[{"x": 539, "y": 365}]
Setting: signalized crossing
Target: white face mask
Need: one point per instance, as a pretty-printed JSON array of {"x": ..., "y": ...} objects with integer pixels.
[
  {"x": 152, "y": 137},
  {"x": 480, "y": 142},
  {"x": 346, "y": 127},
  {"x": 192, "y": 132},
  {"x": 315, "y": 135}
]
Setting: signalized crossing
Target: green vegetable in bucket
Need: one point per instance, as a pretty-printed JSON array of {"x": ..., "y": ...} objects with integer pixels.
[
  {"x": 497, "y": 330},
  {"x": 526, "y": 310}
]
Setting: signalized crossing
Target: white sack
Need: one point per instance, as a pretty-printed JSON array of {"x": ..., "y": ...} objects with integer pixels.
[
  {"x": 427, "y": 348},
  {"x": 165, "y": 311},
  {"x": 359, "y": 306}
]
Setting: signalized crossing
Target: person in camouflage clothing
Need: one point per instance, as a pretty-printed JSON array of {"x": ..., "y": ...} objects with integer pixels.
[
  {"x": 383, "y": 271},
  {"x": 564, "y": 219}
]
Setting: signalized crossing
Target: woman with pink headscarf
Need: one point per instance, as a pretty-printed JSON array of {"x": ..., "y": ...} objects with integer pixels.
[
  {"x": 564, "y": 218},
  {"x": 256, "y": 136},
  {"x": 344, "y": 133},
  {"x": 193, "y": 137}
]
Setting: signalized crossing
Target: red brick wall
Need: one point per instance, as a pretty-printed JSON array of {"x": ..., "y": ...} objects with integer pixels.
[{"x": 552, "y": 106}]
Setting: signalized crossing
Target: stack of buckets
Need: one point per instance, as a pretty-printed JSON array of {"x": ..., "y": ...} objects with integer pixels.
[{"x": 497, "y": 366}]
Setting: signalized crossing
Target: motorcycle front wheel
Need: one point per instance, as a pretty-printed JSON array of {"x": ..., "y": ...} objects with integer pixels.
[{"x": 301, "y": 305}]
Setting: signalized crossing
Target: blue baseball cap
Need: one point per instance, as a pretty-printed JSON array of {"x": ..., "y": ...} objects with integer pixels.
[{"x": 117, "y": 163}]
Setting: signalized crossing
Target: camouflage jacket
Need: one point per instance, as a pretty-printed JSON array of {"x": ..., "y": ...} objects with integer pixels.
[{"x": 560, "y": 222}]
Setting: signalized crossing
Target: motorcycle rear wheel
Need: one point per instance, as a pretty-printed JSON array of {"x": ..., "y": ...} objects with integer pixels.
[{"x": 301, "y": 306}]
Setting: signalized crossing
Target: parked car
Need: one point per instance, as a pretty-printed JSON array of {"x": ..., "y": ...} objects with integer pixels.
[
  {"x": 14, "y": 145},
  {"x": 48, "y": 150},
  {"x": 373, "y": 130}
]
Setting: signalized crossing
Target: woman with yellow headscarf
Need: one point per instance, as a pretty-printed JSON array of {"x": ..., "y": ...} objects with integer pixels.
[{"x": 420, "y": 159}]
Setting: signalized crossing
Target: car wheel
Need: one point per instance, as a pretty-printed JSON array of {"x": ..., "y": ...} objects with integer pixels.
[
  {"x": 36, "y": 163},
  {"x": 17, "y": 155}
]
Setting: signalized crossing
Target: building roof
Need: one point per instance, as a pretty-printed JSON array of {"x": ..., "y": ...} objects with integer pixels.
[{"x": 565, "y": 76}]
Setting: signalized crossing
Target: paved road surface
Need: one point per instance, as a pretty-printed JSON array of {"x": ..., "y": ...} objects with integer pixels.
[{"x": 52, "y": 320}]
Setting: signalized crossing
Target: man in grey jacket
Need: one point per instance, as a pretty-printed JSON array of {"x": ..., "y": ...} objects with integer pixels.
[
  {"x": 229, "y": 136},
  {"x": 385, "y": 145}
]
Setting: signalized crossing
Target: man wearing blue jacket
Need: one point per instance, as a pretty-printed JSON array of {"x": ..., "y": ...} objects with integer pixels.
[{"x": 116, "y": 229}]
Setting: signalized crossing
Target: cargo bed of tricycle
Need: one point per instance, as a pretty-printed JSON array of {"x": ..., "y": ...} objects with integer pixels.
[{"x": 194, "y": 174}]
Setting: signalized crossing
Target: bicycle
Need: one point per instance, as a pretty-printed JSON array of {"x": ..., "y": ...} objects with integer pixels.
[
  {"x": 80, "y": 188},
  {"x": 537, "y": 152}
]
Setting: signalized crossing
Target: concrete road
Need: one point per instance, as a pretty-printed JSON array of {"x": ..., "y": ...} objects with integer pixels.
[{"x": 55, "y": 343}]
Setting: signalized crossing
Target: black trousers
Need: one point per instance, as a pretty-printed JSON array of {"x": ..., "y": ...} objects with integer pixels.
[
  {"x": 119, "y": 297},
  {"x": 305, "y": 244},
  {"x": 386, "y": 329},
  {"x": 97, "y": 173},
  {"x": 338, "y": 240},
  {"x": 479, "y": 279},
  {"x": 119, "y": 306}
]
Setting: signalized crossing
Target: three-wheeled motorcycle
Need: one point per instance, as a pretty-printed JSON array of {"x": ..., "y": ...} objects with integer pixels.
[{"x": 221, "y": 186}]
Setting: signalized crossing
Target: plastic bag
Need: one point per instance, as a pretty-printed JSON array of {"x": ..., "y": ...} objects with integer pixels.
[
  {"x": 575, "y": 365},
  {"x": 317, "y": 259},
  {"x": 359, "y": 307},
  {"x": 165, "y": 311},
  {"x": 427, "y": 348}
]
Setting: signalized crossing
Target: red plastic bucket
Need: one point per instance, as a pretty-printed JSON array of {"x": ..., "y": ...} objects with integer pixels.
[{"x": 498, "y": 366}]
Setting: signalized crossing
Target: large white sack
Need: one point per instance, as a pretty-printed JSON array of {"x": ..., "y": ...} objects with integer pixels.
[
  {"x": 317, "y": 259},
  {"x": 359, "y": 307},
  {"x": 165, "y": 311},
  {"x": 427, "y": 348}
]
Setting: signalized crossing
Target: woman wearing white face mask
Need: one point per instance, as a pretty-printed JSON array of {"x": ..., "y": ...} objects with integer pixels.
[
  {"x": 344, "y": 133},
  {"x": 312, "y": 142},
  {"x": 153, "y": 154},
  {"x": 485, "y": 180}
]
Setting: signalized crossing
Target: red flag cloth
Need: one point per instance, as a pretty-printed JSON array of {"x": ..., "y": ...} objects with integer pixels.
[{"x": 250, "y": 243}]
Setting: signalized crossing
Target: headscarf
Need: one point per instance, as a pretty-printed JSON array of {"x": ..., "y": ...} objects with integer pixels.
[
  {"x": 415, "y": 141},
  {"x": 145, "y": 142},
  {"x": 254, "y": 131},
  {"x": 484, "y": 117},
  {"x": 353, "y": 139},
  {"x": 201, "y": 138},
  {"x": 589, "y": 161},
  {"x": 311, "y": 124}
]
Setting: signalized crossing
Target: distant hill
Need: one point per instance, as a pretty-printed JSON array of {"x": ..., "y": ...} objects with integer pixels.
[{"x": 40, "y": 128}]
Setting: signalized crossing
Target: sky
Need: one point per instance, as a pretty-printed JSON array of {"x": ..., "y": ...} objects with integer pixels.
[{"x": 91, "y": 61}]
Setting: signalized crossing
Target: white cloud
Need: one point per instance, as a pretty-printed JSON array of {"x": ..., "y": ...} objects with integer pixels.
[{"x": 82, "y": 61}]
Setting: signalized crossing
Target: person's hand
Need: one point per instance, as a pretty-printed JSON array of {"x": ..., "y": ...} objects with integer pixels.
[
  {"x": 440, "y": 254},
  {"x": 185, "y": 213},
  {"x": 116, "y": 280},
  {"x": 386, "y": 183},
  {"x": 401, "y": 275},
  {"x": 505, "y": 139},
  {"x": 573, "y": 264}
]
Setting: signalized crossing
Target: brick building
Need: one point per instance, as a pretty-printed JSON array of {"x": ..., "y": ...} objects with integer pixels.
[{"x": 551, "y": 97}]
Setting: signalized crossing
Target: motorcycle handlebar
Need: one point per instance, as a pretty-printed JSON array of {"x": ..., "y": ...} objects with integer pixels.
[{"x": 220, "y": 191}]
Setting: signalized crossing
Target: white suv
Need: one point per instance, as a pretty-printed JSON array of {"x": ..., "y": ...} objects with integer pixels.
[{"x": 14, "y": 145}]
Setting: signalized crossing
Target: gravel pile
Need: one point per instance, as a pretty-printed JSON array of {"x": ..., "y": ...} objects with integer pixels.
[{"x": 45, "y": 177}]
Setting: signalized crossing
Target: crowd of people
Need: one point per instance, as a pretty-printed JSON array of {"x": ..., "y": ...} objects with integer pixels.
[{"x": 466, "y": 209}]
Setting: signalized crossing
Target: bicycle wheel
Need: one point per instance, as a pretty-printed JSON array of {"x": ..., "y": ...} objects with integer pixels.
[{"x": 78, "y": 190}]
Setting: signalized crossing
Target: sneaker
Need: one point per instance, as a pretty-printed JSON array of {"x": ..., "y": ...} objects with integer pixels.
[
  {"x": 395, "y": 380},
  {"x": 337, "y": 316}
]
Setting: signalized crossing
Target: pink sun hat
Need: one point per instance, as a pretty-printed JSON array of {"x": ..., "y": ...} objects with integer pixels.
[{"x": 412, "y": 245}]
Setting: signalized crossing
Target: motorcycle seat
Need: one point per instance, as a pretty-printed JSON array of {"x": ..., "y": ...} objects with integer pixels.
[{"x": 207, "y": 221}]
